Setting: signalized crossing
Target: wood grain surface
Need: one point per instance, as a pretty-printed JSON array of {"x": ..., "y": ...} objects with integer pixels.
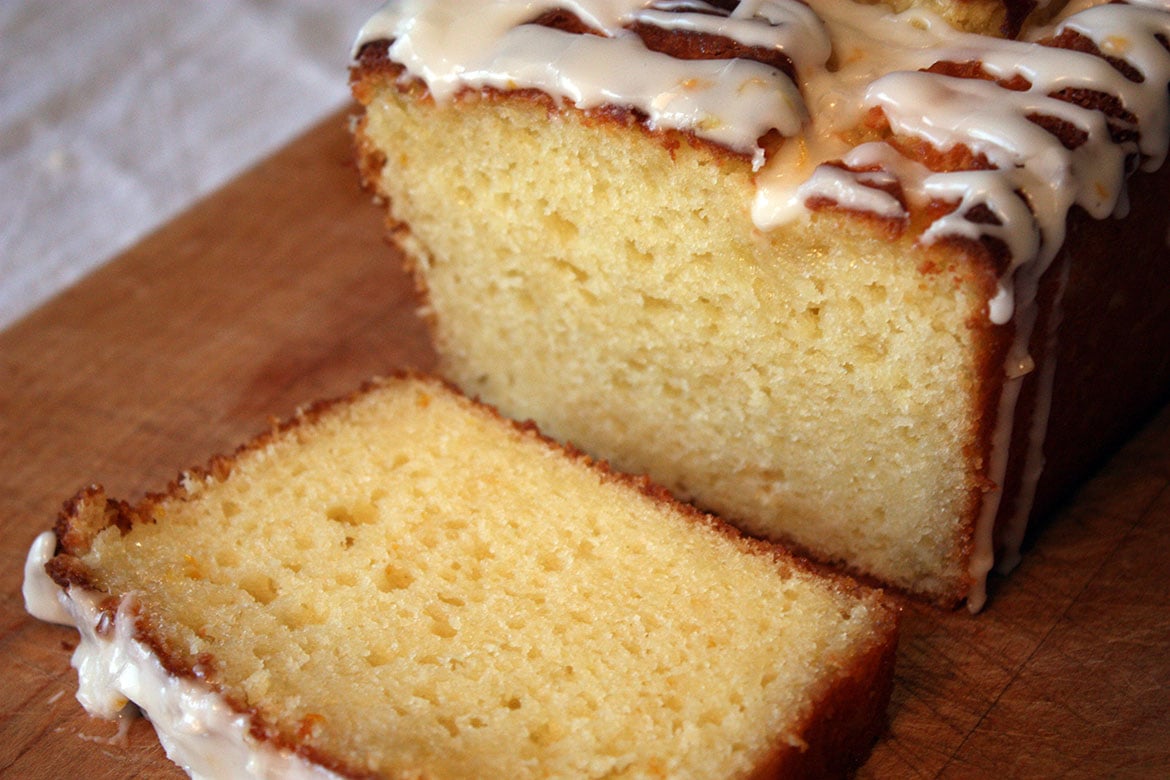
[{"x": 279, "y": 289}]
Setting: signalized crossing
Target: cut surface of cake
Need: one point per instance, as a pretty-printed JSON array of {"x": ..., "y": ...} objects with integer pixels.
[
  {"x": 850, "y": 276},
  {"x": 402, "y": 583}
]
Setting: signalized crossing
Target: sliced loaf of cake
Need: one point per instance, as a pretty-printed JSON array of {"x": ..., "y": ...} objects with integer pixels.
[{"x": 402, "y": 583}]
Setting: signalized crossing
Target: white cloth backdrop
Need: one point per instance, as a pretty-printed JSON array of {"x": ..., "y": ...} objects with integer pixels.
[{"x": 115, "y": 115}]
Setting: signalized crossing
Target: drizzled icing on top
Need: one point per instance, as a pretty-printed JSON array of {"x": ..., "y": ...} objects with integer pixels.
[
  {"x": 449, "y": 48},
  {"x": 849, "y": 59}
]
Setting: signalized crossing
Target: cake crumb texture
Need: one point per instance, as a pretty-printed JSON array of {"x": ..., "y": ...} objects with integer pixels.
[
  {"x": 405, "y": 584},
  {"x": 821, "y": 268},
  {"x": 790, "y": 381}
]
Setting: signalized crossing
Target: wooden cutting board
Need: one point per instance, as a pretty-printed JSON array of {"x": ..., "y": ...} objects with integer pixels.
[{"x": 278, "y": 290}]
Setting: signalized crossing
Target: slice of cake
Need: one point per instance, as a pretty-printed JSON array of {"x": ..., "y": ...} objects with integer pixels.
[
  {"x": 853, "y": 279},
  {"x": 404, "y": 584}
]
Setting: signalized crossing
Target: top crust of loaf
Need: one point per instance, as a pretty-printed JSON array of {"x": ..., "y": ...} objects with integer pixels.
[
  {"x": 1001, "y": 218},
  {"x": 985, "y": 256},
  {"x": 373, "y": 66}
]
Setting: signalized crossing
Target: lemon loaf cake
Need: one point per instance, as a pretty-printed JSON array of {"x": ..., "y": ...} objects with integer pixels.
[
  {"x": 404, "y": 584},
  {"x": 851, "y": 278}
]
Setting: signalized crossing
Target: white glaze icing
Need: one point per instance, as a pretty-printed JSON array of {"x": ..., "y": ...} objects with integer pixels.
[
  {"x": 43, "y": 599},
  {"x": 852, "y": 58},
  {"x": 1033, "y": 466},
  {"x": 198, "y": 729},
  {"x": 879, "y": 56},
  {"x": 451, "y": 49}
]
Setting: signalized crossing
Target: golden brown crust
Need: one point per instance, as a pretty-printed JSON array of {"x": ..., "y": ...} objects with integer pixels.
[
  {"x": 686, "y": 45},
  {"x": 87, "y": 513},
  {"x": 677, "y": 43},
  {"x": 848, "y": 717},
  {"x": 264, "y": 732}
]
